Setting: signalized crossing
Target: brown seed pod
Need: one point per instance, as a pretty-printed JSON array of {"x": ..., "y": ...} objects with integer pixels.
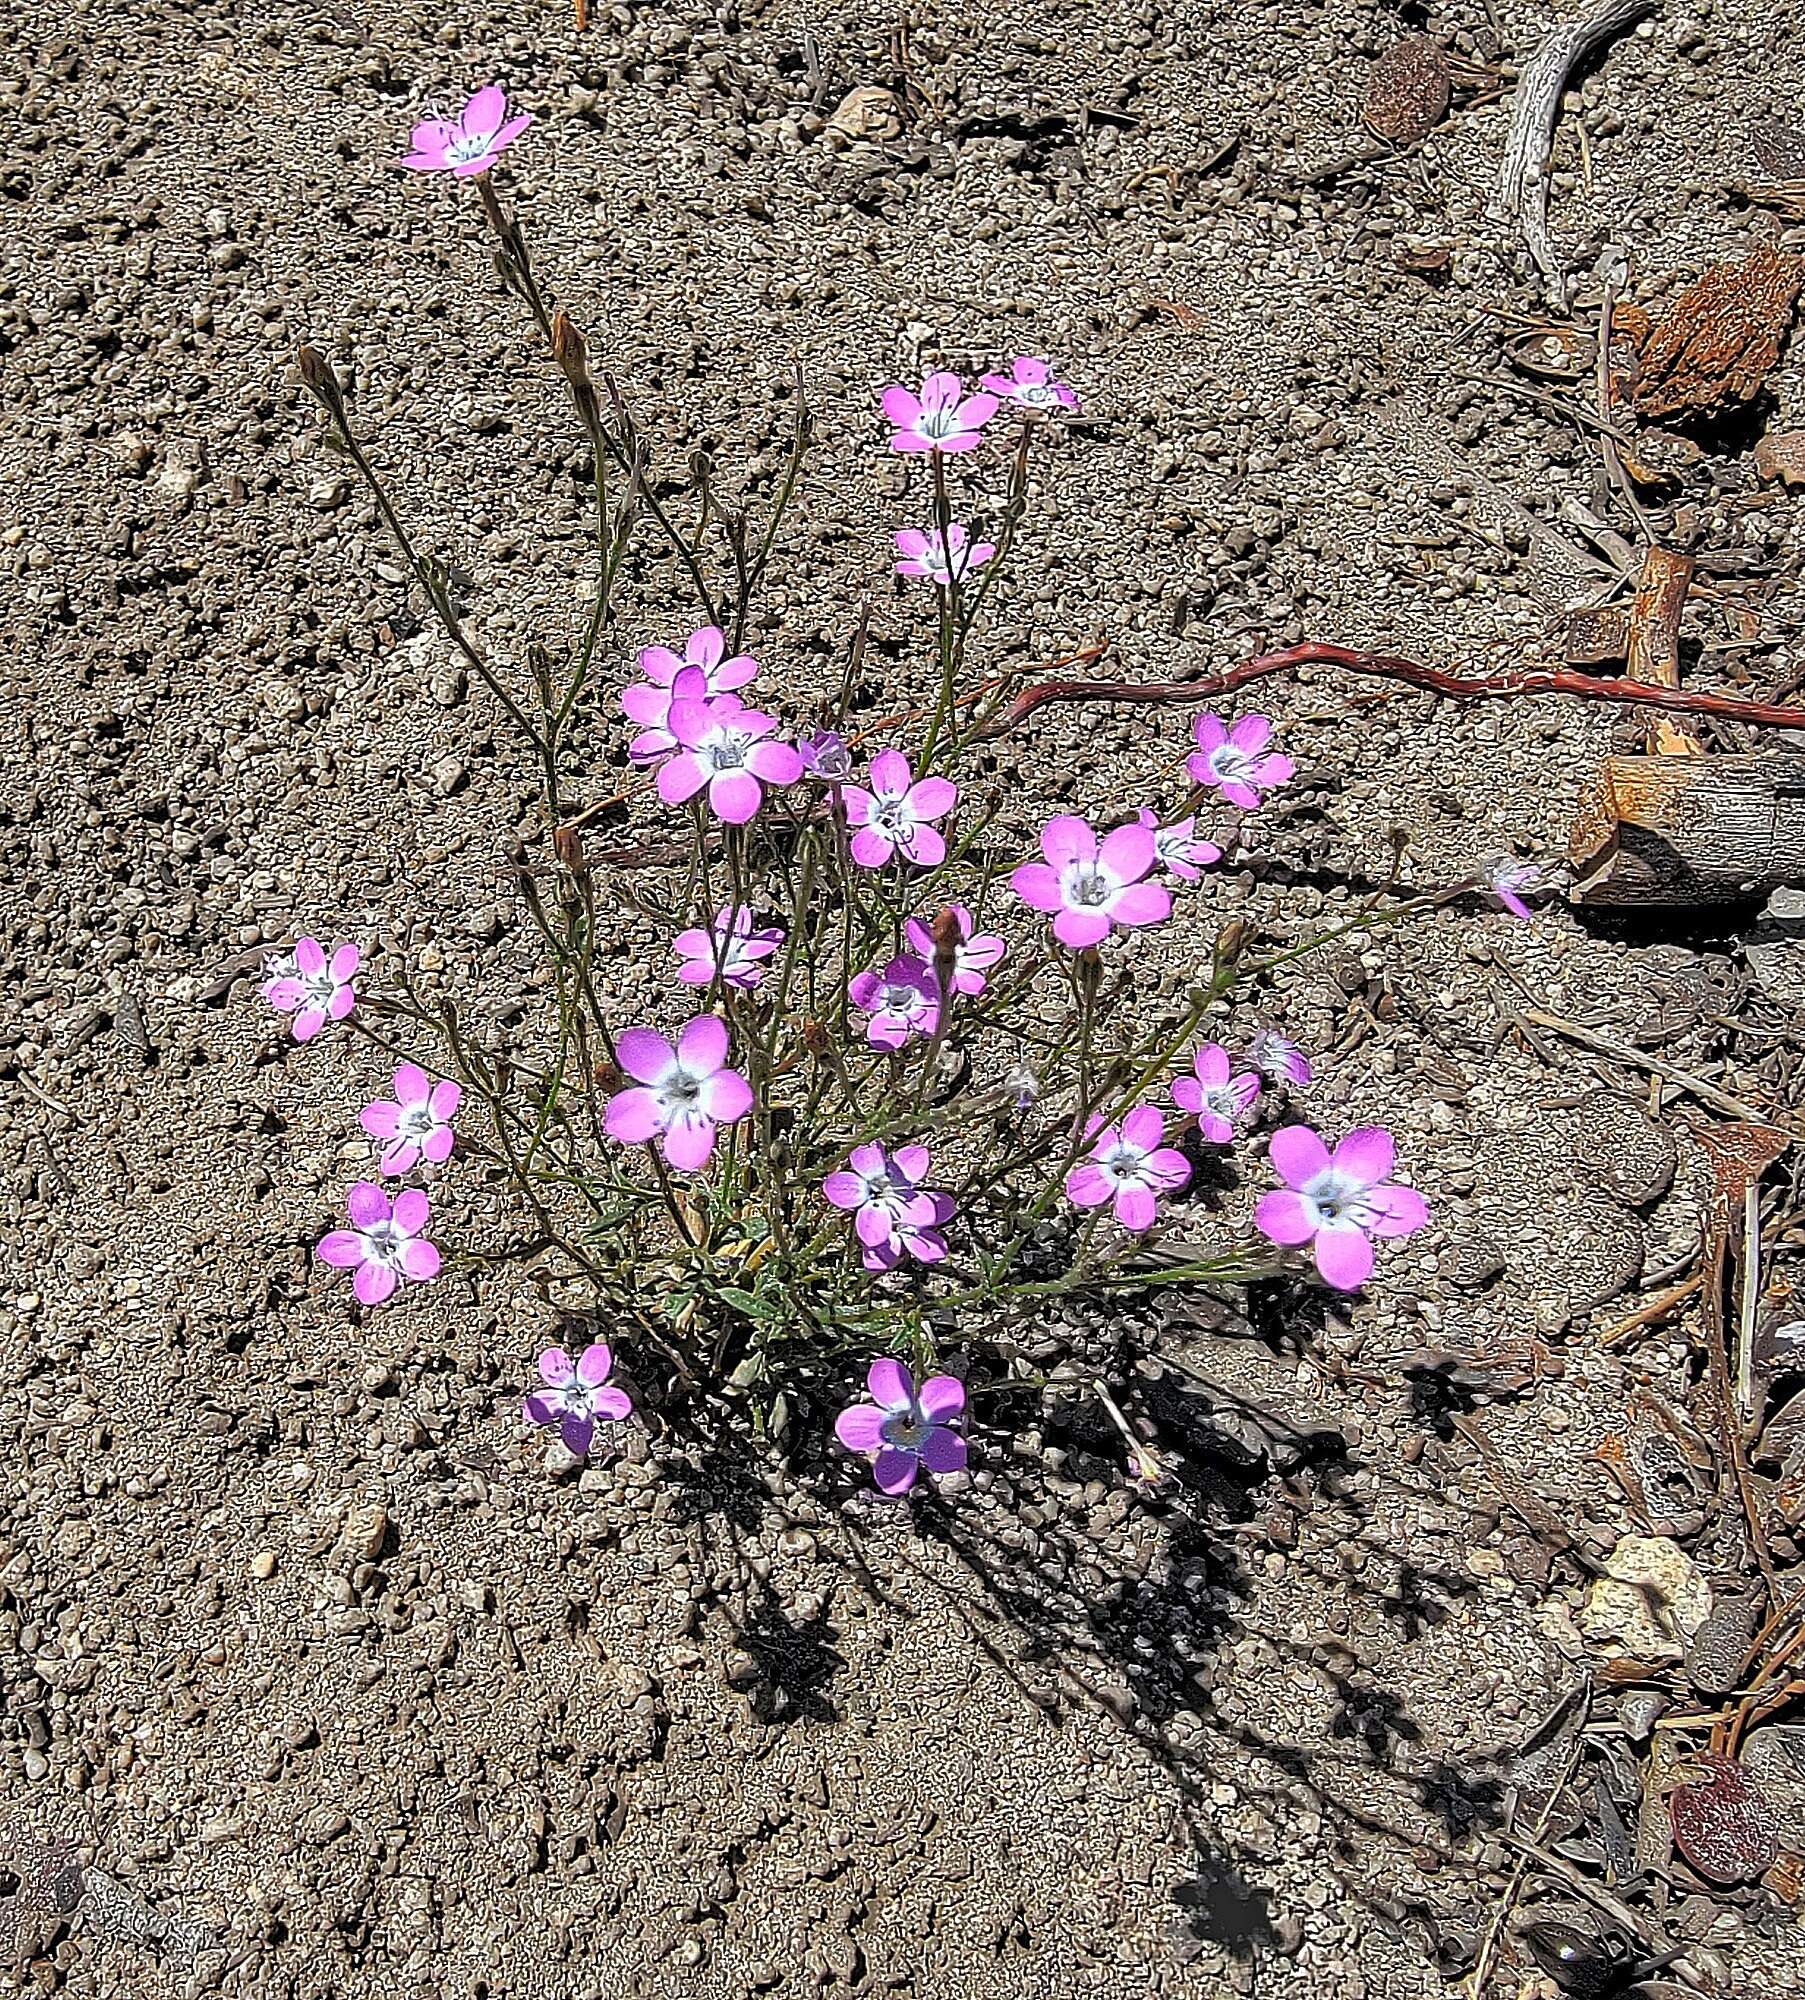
[
  {"x": 1407, "y": 93},
  {"x": 1722, "y": 1823},
  {"x": 1718, "y": 344}
]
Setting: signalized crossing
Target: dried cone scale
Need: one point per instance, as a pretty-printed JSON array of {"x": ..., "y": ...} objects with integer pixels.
[{"x": 1407, "y": 94}]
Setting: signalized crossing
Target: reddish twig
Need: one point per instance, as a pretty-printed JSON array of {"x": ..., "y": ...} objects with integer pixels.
[{"x": 1432, "y": 680}]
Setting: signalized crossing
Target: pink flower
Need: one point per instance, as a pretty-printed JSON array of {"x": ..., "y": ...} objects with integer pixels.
[
  {"x": 825, "y": 757},
  {"x": 1512, "y": 880},
  {"x": 905, "y": 1430},
  {"x": 893, "y": 1216},
  {"x": 1236, "y": 760},
  {"x": 902, "y": 1000},
  {"x": 416, "y": 1123},
  {"x": 311, "y": 986},
  {"x": 468, "y": 143},
  {"x": 718, "y": 745},
  {"x": 1030, "y": 383},
  {"x": 973, "y": 957},
  {"x": 1278, "y": 1060},
  {"x": 1335, "y": 1203},
  {"x": 1129, "y": 1164},
  {"x": 1177, "y": 848},
  {"x": 680, "y": 1095},
  {"x": 729, "y": 944},
  {"x": 942, "y": 418},
  {"x": 576, "y": 1393},
  {"x": 924, "y": 554},
  {"x": 385, "y": 1243},
  {"x": 895, "y": 814},
  {"x": 701, "y": 672},
  {"x": 1215, "y": 1098},
  {"x": 1091, "y": 887}
]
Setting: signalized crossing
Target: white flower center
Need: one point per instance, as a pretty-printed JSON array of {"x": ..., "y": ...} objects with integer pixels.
[
  {"x": 468, "y": 146},
  {"x": 1334, "y": 1197},
  {"x": 900, "y": 999},
  {"x": 680, "y": 1094},
  {"x": 319, "y": 987},
  {"x": 1087, "y": 885},
  {"x": 725, "y": 750},
  {"x": 1123, "y": 1161},
  {"x": 1232, "y": 765},
  {"x": 907, "y": 1431},
  {"x": 938, "y": 420},
  {"x": 416, "y": 1122},
  {"x": 1037, "y": 394},
  {"x": 892, "y": 817},
  {"x": 1220, "y": 1099},
  {"x": 383, "y": 1243}
]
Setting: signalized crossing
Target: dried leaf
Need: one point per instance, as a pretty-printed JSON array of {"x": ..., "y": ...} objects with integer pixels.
[
  {"x": 49, "y": 1877},
  {"x": 1722, "y": 337},
  {"x": 1408, "y": 91},
  {"x": 1722, "y": 1822},
  {"x": 1738, "y": 1153},
  {"x": 1781, "y": 455}
]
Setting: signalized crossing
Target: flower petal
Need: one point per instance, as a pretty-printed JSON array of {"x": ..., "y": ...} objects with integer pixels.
[
  {"x": 555, "y": 1367},
  {"x": 342, "y": 1248},
  {"x": 1141, "y": 903},
  {"x": 382, "y": 1120},
  {"x": 943, "y": 1451},
  {"x": 734, "y": 796},
  {"x": 860, "y": 1428},
  {"x": 1298, "y": 1155},
  {"x": 1395, "y": 1211},
  {"x": 1086, "y": 1186},
  {"x": 631, "y": 1116},
  {"x": 484, "y": 110},
  {"x": 310, "y": 959},
  {"x": 726, "y": 1097},
  {"x": 345, "y": 960},
  {"x": 1211, "y": 1063},
  {"x": 702, "y": 1046},
  {"x": 1135, "y": 1206},
  {"x": 942, "y": 1398},
  {"x": 1078, "y": 929},
  {"x": 444, "y": 1101},
  {"x": 373, "y": 1283},
  {"x": 890, "y": 1385},
  {"x": 688, "y": 1143},
  {"x": 1066, "y": 837},
  {"x": 1365, "y": 1155},
  {"x": 895, "y": 1471},
  {"x": 420, "y": 1260},
  {"x": 890, "y": 774},
  {"x": 644, "y": 1054},
  {"x": 1209, "y": 732},
  {"x": 1344, "y": 1255},
  {"x": 594, "y": 1363},
  {"x": 366, "y": 1204},
  {"x": 1037, "y": 885},
  {"x": 612, "y": 1403},
  {"x": 1284, "y": 1217},
  {"x": 932, "y": 798}
]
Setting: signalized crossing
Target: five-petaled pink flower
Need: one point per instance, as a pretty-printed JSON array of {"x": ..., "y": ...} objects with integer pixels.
[
  {"x": 893, "y": 1215},
  {"x": 1336, "y": 1202},
  {"x": 924, "y": 554},
  {"x": 1090, "y": 885},
  {"x": 1179, "y": 849},
  {"x": 679, "y": 1095},
  {"x": 719, "y": 745},
  {"x": 385, "y": 1243},
  {"x": 703, "y": 670},
  {"x": 942, "y": 418},
  {"x": 1214, "y": 1097},
  {"x": 576, "y": 1393},
  {"x": 415, "y": 1123},
  {"x": 973, "y": 957},
  {"x": 902, "y": 1000},
  {"x": 1236, "y": 761},
  {"x": 1279, "y": 1060},
  {"x": 1030, "y": 383},
  {"x": 729, "y": 946},
  {"x": 1129, "y": 1164},
  {"x": 895, "y": 815},
  {"x": 1511, "y": 880},
  {"x": 468, "y": 143},
  {"x": 903, "y": 1429},
  {"x": 313, "y": 986}
]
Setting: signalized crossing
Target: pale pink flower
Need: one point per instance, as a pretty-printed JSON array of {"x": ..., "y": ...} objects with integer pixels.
[
  {"x": 1089, "y": 886},
  {"x": 416, "y": 1123},
  {"x": 894, "y": 815},
  {"x": 903, "y": 1430},
  {"x": 1214, "y": 1097},
  {"x": 679, "y": 1095},
  {"x": 825, "y": 757},
  {"x": 973, "y": 957},
  {"x": 1030, "y": 383},
  {"x": 942, "y": 418},
  {"x": 902, "y": 1000},
  {"x": 1236, "y": 761},
  {"x": 312, "y": 986},
  {"x": 719, "y": 744},
  {"x": 1336, "y": 1202},
  {"x": 576, "y": 1393},
  {"x": 924, "y": 554},
  {"x": 702, "y": 671},
  {"x": 730, "y": 946},
  {"x": 1279, "y": 1060},
  {"x": 1511, "y": 880},
  {"x": 1130, "y": 1165},
  {"x": 893, "y": 1215},
  {"x": 468, "y": 143},
  {"x": 385, "y": 1244},
  {"x": 1178, "y": 848}
]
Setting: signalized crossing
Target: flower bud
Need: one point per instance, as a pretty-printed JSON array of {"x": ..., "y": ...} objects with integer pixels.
[
  {"x": 567, "y": 845},
  {"x": 815, "y": 1037},
  {"x": 947, "y": 936},
  {"x": 569, "y": 349},
  {"x": 1232, "y": 940},
  {"x": 316, "y": 373}
]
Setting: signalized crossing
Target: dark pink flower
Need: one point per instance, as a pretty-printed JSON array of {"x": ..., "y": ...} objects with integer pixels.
[
  {"x": 719, "y": 745},
  {"x": 1030, "y": 383},
  {"x": 893, "y": 1215},
  {"x": 1335, "y": 1203},
  {"x": 1236, "y": 761},
  {"x": 825, "y": 757},
  {"x": 894, "y": 815},
  {"x": 729, "y": 945},
  {"x": 576, "y": 1393},
  {"x": 1214, "y": 1097},
  {"x": 385, "y": 1243},
  {"x": 1178, "y": 848},
  {"x": 1090, "y": 886},
  {"x": 416, "y": 1123},
  {"x": 973, "y": 957},
  {"x": 942, "y": 418},
  {"x": 312, "y": 986},
  {"x": 904, "y": 1430},
  {"x": 703, "y": 670},
  {"x": 924, "y": 554},
  {"x": 680, "y": 1095},
  {"x": 468, "y": 143},
  {"x": 1279, "y": 1060},
  {"x": 902, "y": 1000},
  {"x": 1130, "y": 1165}
]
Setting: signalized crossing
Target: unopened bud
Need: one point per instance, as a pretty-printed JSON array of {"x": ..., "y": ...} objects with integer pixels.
[
  {"x": 1231, "y": 941},
  {"x": 948, "y": 934},
  {"x": 567, "y": 845},
  {"x": 815, "y": 1037},
  {"x": 569, "y": 349},
  {"x": 316, "y": 372},
  {"x": 606, "y": 1078}
]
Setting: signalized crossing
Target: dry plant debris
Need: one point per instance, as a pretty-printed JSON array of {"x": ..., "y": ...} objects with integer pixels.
[
  {"x": 1717, "y": 346},
  {"x": 1408, "y": 92}
]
